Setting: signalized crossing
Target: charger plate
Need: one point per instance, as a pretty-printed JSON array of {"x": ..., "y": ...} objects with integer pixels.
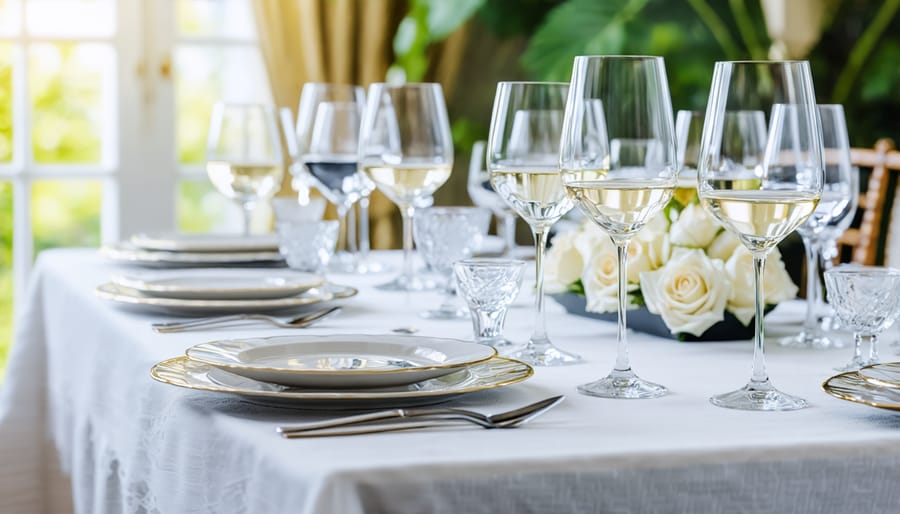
[
  {"x": 885, "y": 374},
  {"x": 134, "y": 299},
  {"x": 130, "y": 254},
  {"x": 341, "y": 361},
  {"x": 491, "y": 374},
  {"x": 180, "y": 242},
  {"x": 852, "y": 387},
  {"x": 221, "y": 284}
]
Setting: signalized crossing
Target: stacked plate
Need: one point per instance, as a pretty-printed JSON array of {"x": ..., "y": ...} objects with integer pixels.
[
  {"x": 192, "y": 250},
  {"x": 221, "y": 290},
  {"x": 877, "y": 385},
  {"x": 342, "y": 371}
]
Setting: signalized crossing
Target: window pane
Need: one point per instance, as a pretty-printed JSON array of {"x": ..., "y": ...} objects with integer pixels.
[
  {"x": 70, "y": 101},
  {"x": 70, "y": 17},
  {"x": 6, "y": 277},
  {"x": 66, "y": 213},
  {"x": 200, "y": 208},
  {"x": 203, "y": 76},
  {"x": 10, "y": 17},
  {"x": 223, "y": 18},
  {"x": 6, "y": 103}
]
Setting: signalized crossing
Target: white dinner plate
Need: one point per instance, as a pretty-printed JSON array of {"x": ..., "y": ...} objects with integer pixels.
[
  {"x": 852, "y": 387},
  {"x": 341, "y": 361},
  {"x": 128, "y": 253},
  {"x": 221, "y": 284},
  {"x": 178, "y": 242},
  {"x": 885, "y": 374},
  {"x": 132, "y": 298},
  {"x": 491, "y": 374}
]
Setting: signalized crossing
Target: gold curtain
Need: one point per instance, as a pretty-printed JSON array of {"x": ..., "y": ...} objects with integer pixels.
[{"x": 341, "y": 41}]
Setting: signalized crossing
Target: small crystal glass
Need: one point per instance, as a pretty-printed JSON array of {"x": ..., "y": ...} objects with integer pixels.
[
  {"x": 489, "y": 286},
  {"x": 866, "y": 300},
  {"x": 307, "y": 245},
  {"x": 444, "y": 235}
]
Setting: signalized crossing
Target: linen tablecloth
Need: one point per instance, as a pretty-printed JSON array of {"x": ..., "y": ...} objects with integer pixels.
[{"x": 78, "y": 394}]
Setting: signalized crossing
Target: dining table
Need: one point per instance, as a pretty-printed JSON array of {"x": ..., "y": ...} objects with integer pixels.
[{"x": 84, "y": 427}]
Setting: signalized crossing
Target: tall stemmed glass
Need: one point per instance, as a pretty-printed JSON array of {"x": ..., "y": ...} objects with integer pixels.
[
  {"x": 835, "y": 205},
  {"x": 523, "y": 159},
  {"x": 777, "y": 196},
  {"x": 483, "y": 195},
  {"x": 243, "y": 154},
  {"x": 405, "y": 148},
  {"x": 618, "y": 164},
  {"x": 327, "y": 144}
]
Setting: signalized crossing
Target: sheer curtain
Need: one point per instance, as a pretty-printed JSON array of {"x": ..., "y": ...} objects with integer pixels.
[{"x": 343, "y": 41}]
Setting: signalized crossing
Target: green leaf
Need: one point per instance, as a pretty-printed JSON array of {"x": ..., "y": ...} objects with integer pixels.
[
  {"x": 445, "y": 16},
  {"x": 578, "y": 27}
]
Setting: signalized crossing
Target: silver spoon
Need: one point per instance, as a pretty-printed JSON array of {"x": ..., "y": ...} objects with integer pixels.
[
  {"x": 508, "y": 419},
  {"x": 302, "y": 321}
]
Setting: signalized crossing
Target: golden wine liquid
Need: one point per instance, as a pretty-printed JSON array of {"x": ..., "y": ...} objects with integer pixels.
[
  {"x": 536, "y": 194},
  {"x": 761, "y": 218},
  {"x": 403, "y": 184},
  {"x": 621, "y": 206},
  {"x": 245, "y": 181}
]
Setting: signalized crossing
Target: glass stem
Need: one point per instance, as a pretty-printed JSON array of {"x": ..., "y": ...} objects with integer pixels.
[
  {"x": 760, "y": 375},
  {"x": 873, "y": 350},
  {"x": 508, "y": 230},
  {"x": 622, "y": 362},
  {"x": 449, "y": 302},
  {"x": 343, "y": 230},
  {"x": 247, "y": 208},
  {"x": 811, "y": 326},
  {"x": 351, "y": 229},
  {"x": 364, "y": 245},
  {"x": 539, "y": 338},
  {"x": 407, "y": 213},
  {"x": 857, "y": 348}
]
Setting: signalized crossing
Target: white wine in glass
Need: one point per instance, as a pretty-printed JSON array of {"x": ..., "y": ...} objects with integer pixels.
[
  {"x": 243, "y": 154},
  {"x": 618, "y": 163},
  {"x": 761, "y": 202},
  {"x": 523, "y": 160}
]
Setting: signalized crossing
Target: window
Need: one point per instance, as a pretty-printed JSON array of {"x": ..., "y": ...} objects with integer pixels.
[{"x": 103, "y": 112}]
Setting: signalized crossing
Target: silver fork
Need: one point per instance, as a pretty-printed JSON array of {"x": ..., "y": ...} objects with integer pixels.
[
  {"x": 418, "y": 418},
  {"x": 301, "y": 321}
]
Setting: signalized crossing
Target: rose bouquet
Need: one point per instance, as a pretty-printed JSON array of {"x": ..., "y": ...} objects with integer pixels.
[{"x": 683, "y": 266}]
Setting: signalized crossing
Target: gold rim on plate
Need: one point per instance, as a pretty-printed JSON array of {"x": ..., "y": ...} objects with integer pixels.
[{"x": 852, "y": 387}]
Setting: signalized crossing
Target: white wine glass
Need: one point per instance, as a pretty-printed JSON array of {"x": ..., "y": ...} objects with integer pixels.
[
  {"x": 243, "y": 154},
  {"x": 482, "y": 194},
  {"x": 835, "y": 205},
  {"x": 764, "y": 203},
  {"x": 406, "y": 150},
  {"x": 523, "y": 160},
  {"x": 327, "y": 130},
  {"x": 618, "y": 161}
]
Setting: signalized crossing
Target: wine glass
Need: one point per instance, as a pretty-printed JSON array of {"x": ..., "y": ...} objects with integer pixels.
[
  {"x": 327, "y": 144},
  {"x": 834, "y": 206},
  {"x": 523, "y": 160},
  {"x": 243, "y": 154},
  {"x": 483, "y": 195},
  {"x": 618, "y": 163},
  {"x": 406, "y": 150},
  {"x": 765, "y": 203}
]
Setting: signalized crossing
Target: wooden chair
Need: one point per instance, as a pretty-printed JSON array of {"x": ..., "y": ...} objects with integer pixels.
[{"x": 869, "y": 240}]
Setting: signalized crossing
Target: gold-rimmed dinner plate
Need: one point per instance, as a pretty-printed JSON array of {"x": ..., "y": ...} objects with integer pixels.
[
  {"x": 221, "y": 283},
  {"x": 491, "y": 374},
  {"x": 884, "y": 374},
  {"x": 852, "y": 387},
  {"x": 181, "y": 242},
  {"x": 341, "y": 361},
  {"x": 129, "y": 254},
  {"x": 132, "y": 298}
]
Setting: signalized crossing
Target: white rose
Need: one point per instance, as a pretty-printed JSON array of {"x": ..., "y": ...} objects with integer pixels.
[
  {"x": 601, "y": 281},
  {"x": 658, "y": 224},
  {"x": 689, "y": 292},
  {"x": 777, "y": 285},
  {"x": 723, "y": 246},
  {"x": 694, "y": 227},
  {"x": 646, "y": 252},
  {"x": 563, "y": 262}
]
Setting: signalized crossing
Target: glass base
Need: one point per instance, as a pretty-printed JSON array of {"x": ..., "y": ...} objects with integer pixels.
[
  {"x": 404, "y": 283},
  {"x": 854, "y": 365},
  {"x": 623, "y": 385},
  {"x": 502, "y": 345},
  {"x": 445, "y": 314},
  {"x": 343, "y": 262},
  {"x": 813, "y": 341},
  {"x": 545, "y": 355},
  {"x": 759, "y": 396}
]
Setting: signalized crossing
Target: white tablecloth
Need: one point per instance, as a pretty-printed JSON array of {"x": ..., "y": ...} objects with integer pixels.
[{"x": 77, "y": 390}]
